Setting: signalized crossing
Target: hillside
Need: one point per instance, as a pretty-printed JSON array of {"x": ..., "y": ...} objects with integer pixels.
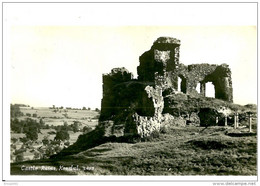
[
  {"x": 174, "y": 150},
  {"x": 178, "y": 151}
]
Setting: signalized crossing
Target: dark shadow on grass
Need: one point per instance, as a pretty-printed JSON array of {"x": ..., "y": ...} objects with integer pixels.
[
  {"x": 90, "y": 140},
  {"x": 207, "y": 145},
  {"x": 241, "y": 134}
]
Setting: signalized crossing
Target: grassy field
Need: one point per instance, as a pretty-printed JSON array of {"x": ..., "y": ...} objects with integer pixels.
[
  {"x": 87, "y": 117},
  {"x": 180, "y": 151}
]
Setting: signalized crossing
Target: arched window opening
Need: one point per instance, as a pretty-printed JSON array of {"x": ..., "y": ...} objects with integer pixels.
[{"x": 210, "y": 90}]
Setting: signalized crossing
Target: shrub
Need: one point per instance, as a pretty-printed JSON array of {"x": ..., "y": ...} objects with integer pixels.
[
  {"x": 45, "y": 140},
  {"x": 24, "y": 139},
  {"x": 32, "y": 133},
  {"x": 62, "y": 135},
  {"x": 28, "y": 114},
  {"x": 14, "y": 140},
  {"x": 75, "y": 126}
]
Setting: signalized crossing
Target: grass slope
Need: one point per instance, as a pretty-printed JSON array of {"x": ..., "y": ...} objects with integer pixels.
[{"x": 181, "y": 151}]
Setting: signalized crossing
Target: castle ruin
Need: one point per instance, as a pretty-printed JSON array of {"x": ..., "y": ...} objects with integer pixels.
[{"x": 140, "y": 106}]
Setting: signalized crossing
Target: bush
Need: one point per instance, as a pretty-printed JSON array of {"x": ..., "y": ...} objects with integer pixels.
[
  {"x": 14, "y": 140},
  {"x": 32, "y": 133},
  {"x": 45, "y": 140},
  {"x": 24, "y": 139},
  {"x": 62, "y": 135},
  {"x": 75, "y": 126},
  {"x": 28, "y": 114}
]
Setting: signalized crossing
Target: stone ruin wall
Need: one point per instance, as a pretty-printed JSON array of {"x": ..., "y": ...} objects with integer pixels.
[{"x": 135, "y": 106}]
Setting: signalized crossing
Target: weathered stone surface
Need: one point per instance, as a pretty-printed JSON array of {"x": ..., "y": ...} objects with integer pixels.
[
  {"x": 161, "y": 58},
  {"x": 141, "y": 106}
]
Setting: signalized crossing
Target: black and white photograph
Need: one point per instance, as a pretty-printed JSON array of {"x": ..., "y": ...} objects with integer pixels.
[{"x": 130, "y": 91}]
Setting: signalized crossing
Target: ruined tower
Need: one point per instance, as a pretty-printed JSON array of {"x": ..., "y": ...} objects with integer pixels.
[
  {"x": 157, "y": 64},
  {"x": 140, "y": 106}
]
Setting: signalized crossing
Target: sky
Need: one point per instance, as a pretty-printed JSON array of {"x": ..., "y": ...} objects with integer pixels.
[{"x": 62, "y": 64}]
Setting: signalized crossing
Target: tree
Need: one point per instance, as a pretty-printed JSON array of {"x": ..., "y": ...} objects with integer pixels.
[
  {"x": 32, "y": 133},
  {"x": 16, "y": 126},
  {"x": 45, "y": 140},
  {"x": 41, "y": 122},
  {"x": 75, "y": 126},
  {"x": 84, "y": 108},
  {"x": 62, "y": 135},
  {"x": 24, "y": 139},
  {"x": 47, "y": 126},
  {"x": 15, "y": 111},
  {"x": 28, "y": 114}
]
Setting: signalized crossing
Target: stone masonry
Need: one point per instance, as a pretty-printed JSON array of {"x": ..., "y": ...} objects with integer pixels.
[{"x": 135, "y": 106}]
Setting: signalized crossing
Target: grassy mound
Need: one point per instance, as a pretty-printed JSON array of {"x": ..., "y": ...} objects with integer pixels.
[{"x": 181, "y": 151}]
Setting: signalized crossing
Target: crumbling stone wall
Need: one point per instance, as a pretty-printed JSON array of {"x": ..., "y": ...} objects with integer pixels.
[
  {"x": 161, "y": 65},
  {"x": 158, "y": 63},
  {"x": 146, "y": 104},
  {"x": 195, "y": 74}
]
